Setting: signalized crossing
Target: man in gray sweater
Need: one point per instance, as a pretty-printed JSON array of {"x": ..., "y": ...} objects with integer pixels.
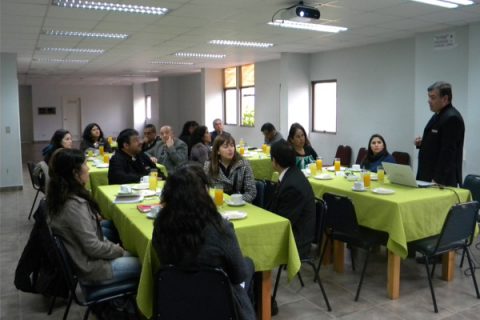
[{"x": 171, "y": 152}]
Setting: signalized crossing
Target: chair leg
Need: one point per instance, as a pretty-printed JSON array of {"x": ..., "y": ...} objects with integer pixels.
[
  {"x": 351, "y": 258},
  {"x": 322, "y": 254},
  {"x": 472, "y": 267},
  {"x": 329, "y": 308},
  {"x": 463, "y": 257},
  {"x": 65, "y": 315},
  {"x": 52, "y": 303},
  {"x": 431, "y": 285},
  {"x": 300, "y": 279},
  {"x": 85, "y": 317},
  {"x": 33, "y": 204},
  {"x": 362, "y": 276},
  {"x": 275, "y": 287}
]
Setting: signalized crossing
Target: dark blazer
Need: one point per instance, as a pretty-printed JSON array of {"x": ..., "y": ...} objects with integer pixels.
[
  {"x": 441, "y": 152},
  {"x": 123, "y": 169},
  {"x": 294, "y": 200}
]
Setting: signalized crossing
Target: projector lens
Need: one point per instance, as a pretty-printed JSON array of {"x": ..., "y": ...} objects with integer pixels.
[{"x": 302, "y": 13}]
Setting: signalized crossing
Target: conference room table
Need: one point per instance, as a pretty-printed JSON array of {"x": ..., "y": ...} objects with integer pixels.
[
  {"x": 263, "y": 236},
  {"x": 406, "y": 215}
]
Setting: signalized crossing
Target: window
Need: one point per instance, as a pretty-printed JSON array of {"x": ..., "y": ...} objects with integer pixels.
[
  {"x": 148, "y": 107},
  {"x": 239, "y": 95},
  {"x": 324, "y": 105}
]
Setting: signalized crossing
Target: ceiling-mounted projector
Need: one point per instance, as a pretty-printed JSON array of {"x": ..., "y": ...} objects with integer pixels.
[{"x": 301, "y": 12}]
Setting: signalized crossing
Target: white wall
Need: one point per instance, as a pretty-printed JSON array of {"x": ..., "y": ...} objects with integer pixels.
[
  {"x": 10, "y": 145},
  {"x": 212, "y": 99},
  {"x": 110, "y": 106}
]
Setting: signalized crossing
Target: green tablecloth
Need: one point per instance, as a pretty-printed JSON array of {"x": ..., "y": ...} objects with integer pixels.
[
  {"x": 407, "y": 215},
  {"x": 263, "y": 236},
  {"x": 261, "y": 165}
]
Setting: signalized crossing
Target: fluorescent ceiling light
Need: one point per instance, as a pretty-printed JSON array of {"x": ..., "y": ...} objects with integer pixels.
[
  {"x": 306, "y": 26},
  {"x": 438, "y": 3},
  {"x": 462, "y": 2},
  {"x": 109, "y": 6},
  {"x": 60, "y": 60},
  {"x": 200, "y": 55},
  {"x": 74, "y": 50},
  {"x": 172, "y": 63},
  {"x": 98, "y": 35},
  {"x": 234, "y": 43}
]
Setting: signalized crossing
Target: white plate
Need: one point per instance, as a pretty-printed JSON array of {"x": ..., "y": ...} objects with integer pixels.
[
  {"x": 325, "y": 176},
  {"x": 332, "y": 168},
  {"x": 101, "y": 165},
  {"x": 140, "y": 186},
  {"x": 355, "y": 170},
  {"x": 148, "y": 193},
  {"x": 306, "y": 172},
  {"x": 352, "y": 177},
  {"x": 232, "y": 204},
  {"x": 359, "y": 190},
  {"x": 126, "y": 194},
  {"x": 234, "y": 215},
  {"x": 91, "y": 158},
  {"x": 373, "y": 177},
  {"x": 383, "y": 191}
]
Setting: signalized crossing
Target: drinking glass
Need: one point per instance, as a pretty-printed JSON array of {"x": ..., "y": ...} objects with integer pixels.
[
  {"x": 110, "y": 140},
  {"x": 153, "y": 180},
  {"x": 90, "y": 153},
  {"x": 313, "y": 169},
  {"x": 264, "y": 148},
  {"x": 380, "y": 174},
  {"x": 101, "y": 149},
  {"x": 366, "y": 178},
  {"x": 337, "y": 164},
  {"x": 106, "y": 158},
  {"x": 219, "y": 195},
  {"x": 319, "y": 163},
  {"x": 267, "y": 150},
  {"x": 242, "y": 150}
]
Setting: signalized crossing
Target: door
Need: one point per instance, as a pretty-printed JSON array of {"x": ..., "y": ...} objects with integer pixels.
[{"x": 71, "y": 112}]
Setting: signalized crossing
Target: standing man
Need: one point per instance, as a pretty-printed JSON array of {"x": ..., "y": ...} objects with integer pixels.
[
  {"x": 171, "y": 152},
  {"x": 270, "y": 133},
  {"x": 129, "y": 164},
  {"x": 441, "y": 147},
  {"x": 218, "y": 129},
  {"x": 150, "y": 137}
]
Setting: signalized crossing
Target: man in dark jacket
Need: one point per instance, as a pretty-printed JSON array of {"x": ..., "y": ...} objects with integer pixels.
[
  {"x": 129, "y": 163},
  {"x": 441, "y": 147}
]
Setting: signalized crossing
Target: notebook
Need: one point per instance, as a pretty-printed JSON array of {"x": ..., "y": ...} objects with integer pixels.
[{"x": 403, "y": 174}]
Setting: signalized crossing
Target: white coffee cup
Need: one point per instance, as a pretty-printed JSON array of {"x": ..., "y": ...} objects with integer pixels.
[
  {"x": 358, "y": 185},
  {"x": 125, "y": 188},
  {"x": 145, "y": 179},
  {"x": 236, "y": 198},
  {"x": 356, "y": 167}
]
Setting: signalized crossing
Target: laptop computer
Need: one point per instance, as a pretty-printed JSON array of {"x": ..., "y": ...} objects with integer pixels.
[{"x": 403, "y": 174}]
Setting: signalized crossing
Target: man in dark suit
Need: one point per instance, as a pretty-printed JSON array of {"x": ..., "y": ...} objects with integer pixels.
[
  {"x": 293, "y": 198},
  {"x": 441, "y": 147}
]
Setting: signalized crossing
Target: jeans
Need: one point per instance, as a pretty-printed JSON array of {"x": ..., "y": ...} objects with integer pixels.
[
  {"x": 123, "y": 268},
  {"x": 109, "y": 231}
]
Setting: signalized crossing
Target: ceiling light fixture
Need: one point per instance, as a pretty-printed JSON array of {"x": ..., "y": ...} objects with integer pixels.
[
  {"x": 96, "y": 35},
  {"x": 200, "y": 55},
  {"x": 172, "y": 63},
  {"x": 306, "y": 26},
  {"x": 109, "y": 6},
  {"x": 438, "y": 3},
  {"x": 234, "y": 43},
  {"x": 60, "y": 60},
  {"x": 462, "y": 2},
  {"x": 75, "y": 50}
]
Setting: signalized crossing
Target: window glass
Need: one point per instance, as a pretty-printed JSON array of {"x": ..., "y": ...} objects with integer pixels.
[{"x": 325, "y": 106}]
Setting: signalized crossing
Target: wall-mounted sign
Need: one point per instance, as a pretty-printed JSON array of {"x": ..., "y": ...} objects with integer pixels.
[
  {"x": 47, "y": 110},
  {"x": 444, "y": 41}
]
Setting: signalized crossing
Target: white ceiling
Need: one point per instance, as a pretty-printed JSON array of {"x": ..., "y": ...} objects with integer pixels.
[{"x": 190, "y": 25}]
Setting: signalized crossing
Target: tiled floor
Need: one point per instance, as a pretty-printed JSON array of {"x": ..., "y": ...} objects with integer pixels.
[{"x": 456, "y": 299}]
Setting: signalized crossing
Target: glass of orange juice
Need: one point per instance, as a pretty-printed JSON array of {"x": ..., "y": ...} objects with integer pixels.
[
  {"x": 264, "y": 148},
  {"x": 366, "y": 179},
  {"x": 242, "y": 150},
  {"x": 313, "y": 169},
  {"x": 336, "y": 163},
  {"x": 380, "y": 174},
  {"x": 218, "y": 194},
  {"x": 267, "y": 150},
  {"x": 153, "y": 180},
  {"x": 110, "y": 139},
  {"x": 101, "y": 149},
  {"x": 106, "y": 158},
  {"x": 319, "y": 163}
]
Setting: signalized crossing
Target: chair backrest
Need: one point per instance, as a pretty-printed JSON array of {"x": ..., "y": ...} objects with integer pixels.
[
  {"x": 345, "y": 155},
  {"x": 401, "y": 157},
  {"x": 268, "y": 192},
  {"x": 65, "y": 263},
  {"x": 36, "y": 183},
  {"x": 362, "y": 153},
  {"x": 259, "y": 200},
  {"x": 341, "y": 215},
  {"x": 320, "y": 220},
  {"x": 472, "y": 183},
  {"x": 193, "y": 294},
  {"x": 459, "y": 225}
]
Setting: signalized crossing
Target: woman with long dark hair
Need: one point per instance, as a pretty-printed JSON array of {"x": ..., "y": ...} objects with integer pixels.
[
  {"x": 93, "y": 138},
  {"x": 200, "y": 149},
  {"x": 187, "y": 131},
  {"x": 74, "y": 216},
  {"x": 228, "y": 168},
  {"x": 190, "y": 233},
  {"x": 305, "y": 154},
  {"x": 377, "y": 153}
]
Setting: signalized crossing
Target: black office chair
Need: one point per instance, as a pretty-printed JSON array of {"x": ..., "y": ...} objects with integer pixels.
[
  {"x": 472, "y": 183},
  {"x": 36, "y": 184},
  {"x": 401, "y": 157},
  {"x": 193, "y": 294},
  {"x": 91, "y": 294},
  {"x": 362, "y": 153},
  {"x": 320, "y": 213},
  {"x": 259, "y": 200},
  {"x": 342, "y": 225},
  {"x": 457, "y": 233},
  {"x": 344, "y": 153}
]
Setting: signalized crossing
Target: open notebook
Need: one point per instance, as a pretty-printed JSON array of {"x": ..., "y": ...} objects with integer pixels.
[{"x": 403, "y": 174}]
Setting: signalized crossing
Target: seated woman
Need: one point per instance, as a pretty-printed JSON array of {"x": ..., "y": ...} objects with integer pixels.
[
  {"x": 187, "y": 132},
  {"x": 377, "y": 153},
  {"x": 60, "y": 139},
  {"x": 200, "y": 148},
  {"x": 93, "y": 138},
  {"x": 229, "y": 169},
  {"x": 189, "y": 232},
  {"x": 305, "y": 154},
  {"x": 74, "y": 216}
]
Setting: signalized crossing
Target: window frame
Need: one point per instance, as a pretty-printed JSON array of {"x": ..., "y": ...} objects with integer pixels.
[
  {"x": 313, "y": 129},
  {"x": 238, "y": 89}
]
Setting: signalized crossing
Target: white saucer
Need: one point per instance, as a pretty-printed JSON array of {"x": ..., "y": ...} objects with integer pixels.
[
  {"x": 234, "y": 215},
  {"x": 140, "y": 186},
  {"x": 91, "y": 158},
  {"x": 232, "y": 204},
  {"x": 325, "y": 176},
  {"x": 126, "y": 194},
  {"x": 354, "y": 170},
  {"x": 359, "y": 190},
  {"x": 332, "y": 168},
  {"x": 373, "y": 177},
  {"x": 352, "y": 177},
  {"x": 148, "y": 193},
  {"x": 383, "y": 191},
  {"x": 101, "y": 165}
]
